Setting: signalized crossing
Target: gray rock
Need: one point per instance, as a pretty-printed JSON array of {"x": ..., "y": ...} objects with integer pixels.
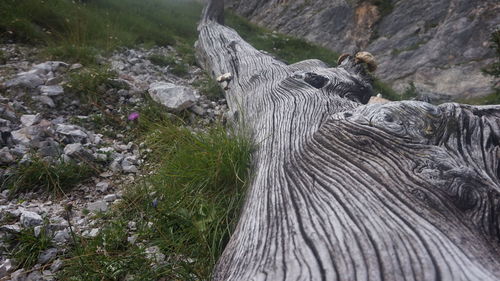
[
  {"x": 44, "y": 100},
  {"x": 172, "y": 96},
  {"x": 110, "y": 197},
  {"x": 56, "y": 265},
  {"x": 61, "y": 236},
  {"x": 30, "y": 119},
  {"x": 71, "y": 130},
  {"x": 132, "y": 239},
  {"x": 34, "y": 276},
  {"x": 73, "y": 149},
  {"x": 30, "y": 219},
  {"x": 21, "y": 136},
  {"x": 6, "y": 267},
  {"x": 48, "y": 275},
  {"x": 12, "y": 228},
  {"x": 49, "y": 148},
  {"x": 47, "y": 256},
  {"x": 50, "y": 66},
  {"x": 54, "y": 81},
  {"x": 5, "y": 123},
  {"x": 115, "y": 166},
  {"x": 53, "y": 90},
  {"x": 97, "y": 206},
  {"x": 132, "y": 225},
  {"x": 75, "y": 66},
  {"x": 93, "y": 232},
  {"x": 18, "y": 275},
  {"x": 198, "y": 110},
  {"x": 128, "y": 167},
  {"x": 154, "y": 254},
  {"x": 7, "y": 112},
  {"x": 37, "y": 230},
  {"x": 5, "y": 156},
  {"x": 102, "y": 186},
  {"x": 25, "y": 79}
]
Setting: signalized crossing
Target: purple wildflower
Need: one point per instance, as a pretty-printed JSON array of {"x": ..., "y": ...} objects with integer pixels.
[{"x": 133, "y": 116}]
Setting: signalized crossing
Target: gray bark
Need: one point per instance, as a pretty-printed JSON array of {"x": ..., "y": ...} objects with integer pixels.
[{"x": 341, "y": 190}]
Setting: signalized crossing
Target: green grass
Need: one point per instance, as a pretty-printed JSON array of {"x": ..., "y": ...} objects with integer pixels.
[
  {"x": 3, "y": 59},
  {"x": 191, "y": 202},
  {"x": 209, "y": 87},
  {"x": 55, "y": 178},
  {"x": 287, "y": 48},
  {"x": 24, "y": 247},
  {"x": 77, "y": 32},
  {"x": 178, "y": 68},
  {"x": 493, "y": 98},
  {"x": 385, "y": 7}
]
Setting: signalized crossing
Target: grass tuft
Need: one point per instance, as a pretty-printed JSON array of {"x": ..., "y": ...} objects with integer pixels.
[
  {"x": 188, "y": 207},
  {"x": 209, "y": 87},
  {"x": 178, "y": 68},
  {"x": 24, "y": 247},
  {"x": 89, "y": 83},
  {"x": 53, "y": 177}
]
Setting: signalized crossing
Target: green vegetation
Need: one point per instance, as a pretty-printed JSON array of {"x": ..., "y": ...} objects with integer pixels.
[
  {"x": 187, "y": 208},
  {"x": 287, "y": 48},
  {"x": 385, "y": 7},
  {"x": 25, "y": 247},
  {"x": 386, "y": 91},
  {"x": 76, "y": 31},
  {"x": 178, "y": 68},
  {"x": 3, "y": 59},
  {"x": 55, "y": 178},
  {"x": 209, "y": 87},
  {"x": 89, "y": 83}
]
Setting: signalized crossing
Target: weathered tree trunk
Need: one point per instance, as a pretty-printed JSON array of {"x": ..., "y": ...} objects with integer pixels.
[{"x": 346, "y": 191}]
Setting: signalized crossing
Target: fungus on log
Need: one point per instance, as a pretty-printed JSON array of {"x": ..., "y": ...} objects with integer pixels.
[{"x": 342, "y": 190}]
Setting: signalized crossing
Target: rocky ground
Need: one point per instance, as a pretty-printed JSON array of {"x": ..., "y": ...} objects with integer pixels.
[{"x": 41, "y": 119}]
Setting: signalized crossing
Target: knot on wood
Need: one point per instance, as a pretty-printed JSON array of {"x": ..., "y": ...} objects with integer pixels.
[
  {"x": 416, "y": 121},
  {"x": 315, "y": 80}
]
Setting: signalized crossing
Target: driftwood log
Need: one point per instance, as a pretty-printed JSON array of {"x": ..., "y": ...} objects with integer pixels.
[{"x": 342, "y": 190}]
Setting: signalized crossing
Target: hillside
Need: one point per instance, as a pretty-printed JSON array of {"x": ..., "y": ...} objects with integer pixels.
[{"x": 439, "y": 46}]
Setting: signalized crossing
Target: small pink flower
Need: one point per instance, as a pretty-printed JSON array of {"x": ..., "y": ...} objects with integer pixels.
[{"x": 133, "y": 116}]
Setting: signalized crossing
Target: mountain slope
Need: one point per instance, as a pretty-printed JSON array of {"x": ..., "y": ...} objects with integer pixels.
[{"x": 439, "y": 46}]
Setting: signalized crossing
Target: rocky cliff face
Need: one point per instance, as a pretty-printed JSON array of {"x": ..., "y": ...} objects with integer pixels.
[{"x": 439, "y": 45}]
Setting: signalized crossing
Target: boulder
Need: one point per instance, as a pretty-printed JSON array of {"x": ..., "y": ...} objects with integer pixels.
[
  {"x": 172, "y": 96},
  {"x": 30, "y": 219}
]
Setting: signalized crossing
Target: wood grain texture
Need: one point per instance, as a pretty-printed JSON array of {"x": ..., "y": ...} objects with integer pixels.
[{"x": 346, "y": 191}]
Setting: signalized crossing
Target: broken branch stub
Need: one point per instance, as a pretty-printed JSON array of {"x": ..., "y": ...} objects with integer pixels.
[{"x": 341, "y": 190}]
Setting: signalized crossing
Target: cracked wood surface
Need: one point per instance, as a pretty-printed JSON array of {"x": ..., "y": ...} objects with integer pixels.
[{"x": 341, "y": 190}]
